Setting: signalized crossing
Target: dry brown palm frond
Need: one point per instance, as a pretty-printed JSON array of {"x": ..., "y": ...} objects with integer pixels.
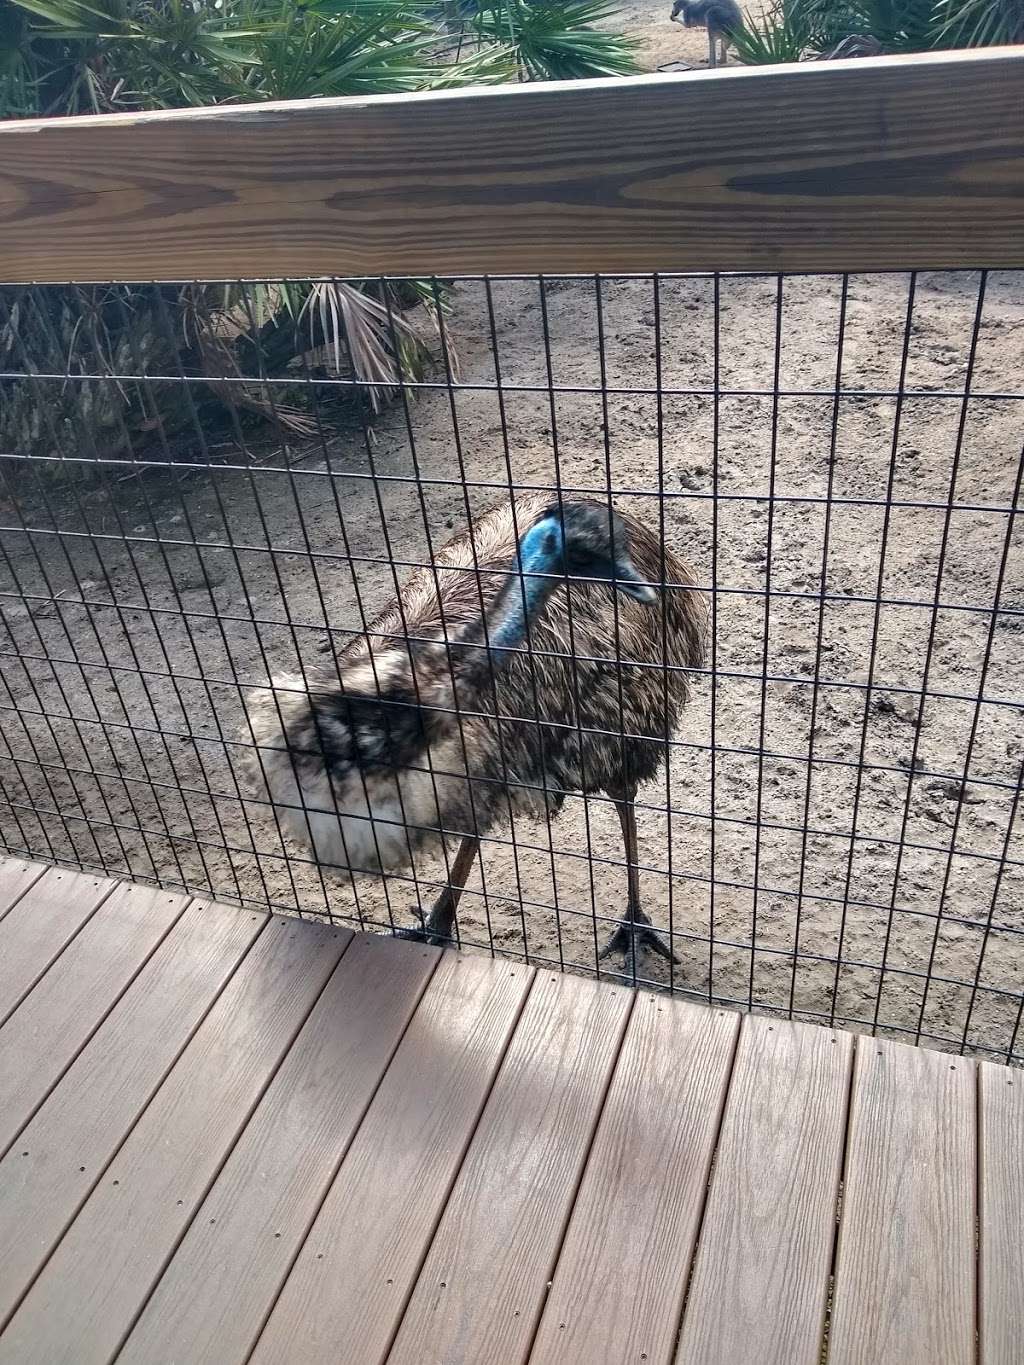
[
  {"x": 367, "y": 331},
  {"x": 99, "y": 345},
  {"x": 434, "y": 309},
  {"x": 215, "y": 332}
]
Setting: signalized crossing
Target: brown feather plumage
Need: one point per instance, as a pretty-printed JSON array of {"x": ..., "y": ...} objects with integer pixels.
[{"x": 372, "y": 759}]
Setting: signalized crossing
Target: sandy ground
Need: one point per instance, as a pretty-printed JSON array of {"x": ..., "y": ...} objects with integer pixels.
[{"x": 841, "y": 887}]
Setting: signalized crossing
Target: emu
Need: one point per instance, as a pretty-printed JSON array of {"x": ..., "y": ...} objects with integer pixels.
[
  {"x": 545, "y": 613},
  {"x": 719, "y": 17}
]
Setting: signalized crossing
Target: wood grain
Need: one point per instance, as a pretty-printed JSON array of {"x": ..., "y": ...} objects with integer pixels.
[
  {"x": 83, "y": 1304},
  {"x": 234, "y": 1259},
  {"x": 16, "y": 876},
  {"x": 482, "y": 1285},
  {"x": 39, "y": 928},
  {"x": 909, "y": 162},
  {"x": 760, "y": 1278},
  {"x": 346, "y": 1293},
  {"x": 1001, "y": 1215},
  {"x": 52, "y": 1025},
  {"x": 618, "y": 1288},
  {"x": 905, "y": 1273},
  {"x": 46, "y": 1177}
]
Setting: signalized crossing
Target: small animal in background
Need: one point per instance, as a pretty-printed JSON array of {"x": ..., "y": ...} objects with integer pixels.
[
  {"x": 397, "y": 748},
  {"x": 719, "y": 17}
]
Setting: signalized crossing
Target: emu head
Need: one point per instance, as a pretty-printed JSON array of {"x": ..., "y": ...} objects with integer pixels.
[
  {"x": 579, "y": 540},
  {"x": 586, "y": 540}
]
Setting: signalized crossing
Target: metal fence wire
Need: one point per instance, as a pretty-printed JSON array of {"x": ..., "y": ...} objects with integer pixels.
[{"x": 209, "y": 486}]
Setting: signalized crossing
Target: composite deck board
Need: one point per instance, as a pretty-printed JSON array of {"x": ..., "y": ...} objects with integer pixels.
[
  {"x": 16, "y": 876},
  {"x": 39, "y": 928},
  {"x": 617, "y": 1293},
  {"x": 64, "y": 1150},
  {"x": 905, "y": 1269},
  {"x": 482, "y": 1286},
  {"x": 346, "y": 1293},
  {"x": 55, "y": 1021},
  {"x": 302, "y": 1146},
  {"x": 87, "y": 1298},
  {"x": 760, "y": 1276},
  {"x": 238, "y": 1250},
  {"x": 1001, "y": 1215}
]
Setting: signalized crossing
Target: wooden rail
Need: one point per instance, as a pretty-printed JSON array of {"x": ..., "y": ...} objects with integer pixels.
[{"x": 894, "y": 163}]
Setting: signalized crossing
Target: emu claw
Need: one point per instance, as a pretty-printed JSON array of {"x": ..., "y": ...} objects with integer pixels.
[
  {"x": 423, "y": 933},
  {"x": 631, "y": 938}
]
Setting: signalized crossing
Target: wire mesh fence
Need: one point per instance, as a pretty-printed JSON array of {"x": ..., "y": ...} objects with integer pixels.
[{"x": 209, "y": 486}]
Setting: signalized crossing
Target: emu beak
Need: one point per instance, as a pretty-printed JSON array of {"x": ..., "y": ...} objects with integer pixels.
[{"x": 628, "y": 581}]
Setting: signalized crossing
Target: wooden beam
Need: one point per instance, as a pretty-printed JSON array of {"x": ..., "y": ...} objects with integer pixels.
[{"x": 890, "y": 163}]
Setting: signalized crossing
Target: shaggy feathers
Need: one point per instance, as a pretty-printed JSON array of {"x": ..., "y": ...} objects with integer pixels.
[{"x": 371, "y": 771}]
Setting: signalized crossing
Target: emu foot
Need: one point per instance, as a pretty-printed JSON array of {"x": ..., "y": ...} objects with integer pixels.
[
  {"x": 419, "y": 933},
  {"x": 631, "y": 938},
  {"x": 436, "y": 932}
]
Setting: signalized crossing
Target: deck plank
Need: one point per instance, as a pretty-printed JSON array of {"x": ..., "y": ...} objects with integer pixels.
[
  {"x": 235, "y": 1256},
  {"x": 55, "y": 1021},
  {"x": 905, "y": 1268},
  {"x": 40, "y": 926},
  {"x": 16, "y": 876},
  {"x": 411, "y": 1157},
  {"x": 1001, "y": 1214},
  {"x": 65, "y": 1148},
  {"x": 85, "y": 1301},
  {"x": 345, "y": 1295},
  {"x": 617, "y": 1293},
  {"x": 760, "y": 1277},
  {"x": 481, "y": 1289}
]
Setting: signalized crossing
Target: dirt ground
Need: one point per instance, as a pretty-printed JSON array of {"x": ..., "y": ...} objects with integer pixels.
[{"x": 844, "y": 865}]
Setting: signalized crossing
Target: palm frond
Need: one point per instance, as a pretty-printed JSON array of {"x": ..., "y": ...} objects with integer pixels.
[
  {"x": 361, "y": 335},
  {"x": 979, "y": 23},
  {"x": 492, "y": 64},
  {"x": 555, "y": 40},
  {"x": 781, "y": 34}
]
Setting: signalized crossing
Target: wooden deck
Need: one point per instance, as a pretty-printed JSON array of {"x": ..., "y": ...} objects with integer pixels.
[{"x": 227, "y": 1137}]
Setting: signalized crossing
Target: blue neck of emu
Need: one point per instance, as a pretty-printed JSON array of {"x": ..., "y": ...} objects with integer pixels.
[{"x": 522, "y": 596}]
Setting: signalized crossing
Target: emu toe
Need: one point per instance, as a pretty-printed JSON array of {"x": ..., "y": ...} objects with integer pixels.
[
  {"x": 632, "y": 938},
  {"x": 426, "y": 932}
]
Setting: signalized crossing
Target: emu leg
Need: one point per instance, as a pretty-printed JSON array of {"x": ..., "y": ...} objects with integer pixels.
[
  {"x": 711, "y": 49},
  {"x": 725, "y": 51},
  {"x": 437, "y": 927},
  {"x": 634, "y": 932}
]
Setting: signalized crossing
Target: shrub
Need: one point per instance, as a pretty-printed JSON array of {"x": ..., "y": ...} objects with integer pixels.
[{"x": 796, "y": 29}]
